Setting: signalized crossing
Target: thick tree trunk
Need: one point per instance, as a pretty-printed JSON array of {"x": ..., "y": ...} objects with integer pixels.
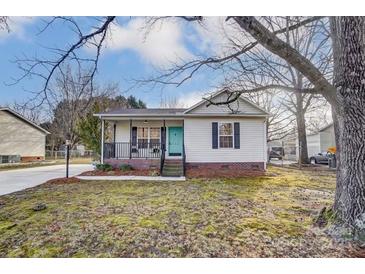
[
  {"x": 348, "y": 34},
  {"x": 302, "y": 135}
]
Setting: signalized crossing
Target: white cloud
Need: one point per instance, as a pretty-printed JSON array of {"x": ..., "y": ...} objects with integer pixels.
[
  {"x": 159, "y": 46},
  {"x": 216, "y": 35},
  {"x": 189, "y": 99},
  {"x": 17, "y": 27}
]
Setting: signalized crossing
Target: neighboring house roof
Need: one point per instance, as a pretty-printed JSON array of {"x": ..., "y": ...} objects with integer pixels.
[
  {"x": 19, "y": 116},
  {"x": 322, "y": 129},
  {"x": 180, "y": 112},
  {"x": 326, "y": 127}
]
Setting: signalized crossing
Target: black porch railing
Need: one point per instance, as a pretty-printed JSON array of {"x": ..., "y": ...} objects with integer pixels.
[{"x": 127, "y": 150}]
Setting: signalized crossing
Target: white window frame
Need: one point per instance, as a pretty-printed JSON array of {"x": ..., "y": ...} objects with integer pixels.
[
  {"x": 219, "y": 135},
  {"x": 148, "y": 134}
]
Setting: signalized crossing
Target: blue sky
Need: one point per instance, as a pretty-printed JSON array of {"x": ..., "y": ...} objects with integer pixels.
[{"x": 129, "y": 54}]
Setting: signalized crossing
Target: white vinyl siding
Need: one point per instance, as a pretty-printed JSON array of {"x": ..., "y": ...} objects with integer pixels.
[
  {"x": 313, "y": 144},
  {"x": 19, "y": 138},
  {"x": 327, "y": 138},
  {"x": 198, "y": 141}
]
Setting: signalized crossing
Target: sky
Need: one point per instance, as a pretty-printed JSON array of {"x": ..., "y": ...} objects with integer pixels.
[{"x": 129, "y": 53}]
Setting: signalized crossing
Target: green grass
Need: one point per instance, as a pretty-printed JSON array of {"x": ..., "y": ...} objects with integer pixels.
[{"x": 242, "y": 217}]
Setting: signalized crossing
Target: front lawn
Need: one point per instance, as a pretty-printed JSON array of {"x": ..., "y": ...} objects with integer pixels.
[{"x": 242, "y": 217}]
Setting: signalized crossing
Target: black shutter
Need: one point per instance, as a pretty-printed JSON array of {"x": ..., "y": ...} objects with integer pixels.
[
  {"x": 134, "y": 136},
  {"x": 214, "y": 135},
  {"x": 237, "y": 135},
  {"x": 163, "y": 138},
  {"x": 114, "y": 136}
]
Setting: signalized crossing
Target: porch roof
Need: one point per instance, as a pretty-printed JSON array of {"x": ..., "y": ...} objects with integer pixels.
[
  {"x": 164, "y": 113},
  {"x": 144, "y": 112}
]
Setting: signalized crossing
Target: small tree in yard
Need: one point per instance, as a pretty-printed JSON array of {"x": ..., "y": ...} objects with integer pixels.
[{"x": 89, "y": 129}]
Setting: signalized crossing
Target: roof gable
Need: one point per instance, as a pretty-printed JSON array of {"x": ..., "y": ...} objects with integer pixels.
[
  {"x": 240, "y": 106},
  {"x": 25, "y": 120}
]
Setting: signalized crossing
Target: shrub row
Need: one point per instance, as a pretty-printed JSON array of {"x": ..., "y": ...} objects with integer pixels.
[{"x": 109, "y": 167}]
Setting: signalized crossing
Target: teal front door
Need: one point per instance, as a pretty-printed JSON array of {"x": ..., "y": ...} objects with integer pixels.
[{"x": 175, "y": 141}]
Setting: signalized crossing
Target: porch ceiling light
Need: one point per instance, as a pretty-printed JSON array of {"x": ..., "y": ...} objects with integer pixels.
[{"x": 145, "y": 122}]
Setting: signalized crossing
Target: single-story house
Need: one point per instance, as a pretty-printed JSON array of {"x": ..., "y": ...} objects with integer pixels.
[
  {"x": 174, "y": 139},
  {"x": 322, "y": 140},
  {"x": 20, "y": 138}
]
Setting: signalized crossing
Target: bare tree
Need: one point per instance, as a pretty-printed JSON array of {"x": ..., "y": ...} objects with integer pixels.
[
  {"x": 31, "y": 114},
  {"x": 281, "y": 123},
  {"x": 4, "y": 23},
  {"x": 258, "y": 70},
  {"x": 48, "y": 69},
  {"x": 70, "y": 99},
  {"x": 170, "y": 102}
]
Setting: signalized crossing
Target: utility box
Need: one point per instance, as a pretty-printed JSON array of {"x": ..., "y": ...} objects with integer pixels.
[
  {"x": 7, "y": 159},
  {"x": 332, "y": 161}
]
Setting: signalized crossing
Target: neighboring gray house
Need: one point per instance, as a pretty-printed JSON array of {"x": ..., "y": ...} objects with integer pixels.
[
  {"x": 321, "y": 141},
  {"x": 202, "y": 136},
  {"x": 20, "y": 137},
  {"x": 316, "y": 143}
]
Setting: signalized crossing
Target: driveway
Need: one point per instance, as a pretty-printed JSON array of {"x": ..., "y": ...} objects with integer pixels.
[{"x": 19, "y": 179}]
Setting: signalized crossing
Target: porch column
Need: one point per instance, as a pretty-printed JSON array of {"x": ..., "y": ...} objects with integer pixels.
[
  {"x": 130, "y": 139},
  {"x": 114, "y": 137},
  {"x": 164, "y": 132},
  {"x": 102, "y": 142}
]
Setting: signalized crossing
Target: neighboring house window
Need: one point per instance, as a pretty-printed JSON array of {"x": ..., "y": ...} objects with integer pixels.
[
  {"x": 155, "y": 135},
  {"x": 225, "y": 135},
  {"x": 142, "y": 137}
]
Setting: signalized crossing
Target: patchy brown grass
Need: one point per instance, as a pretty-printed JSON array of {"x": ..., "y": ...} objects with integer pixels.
[{"x": 263, "y": 216}]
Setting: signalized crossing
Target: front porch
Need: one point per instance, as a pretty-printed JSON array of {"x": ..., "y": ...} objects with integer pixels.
[{"x": 142, "y": 143}]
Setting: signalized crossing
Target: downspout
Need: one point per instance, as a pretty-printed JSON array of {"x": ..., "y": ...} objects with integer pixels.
[
  {"x": 184, "y": 156},
  {"x": 265, "y": 143}
]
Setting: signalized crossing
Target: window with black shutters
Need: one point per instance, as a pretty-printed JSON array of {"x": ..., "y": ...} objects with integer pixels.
[{"x": 225, "y": 135}]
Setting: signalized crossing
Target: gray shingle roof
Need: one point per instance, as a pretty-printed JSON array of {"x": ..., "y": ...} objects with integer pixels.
[{"x": 145, "y": 111}]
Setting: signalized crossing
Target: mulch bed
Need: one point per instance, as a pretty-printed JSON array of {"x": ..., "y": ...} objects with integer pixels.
[
  {"x": 62, "y": 181},
  {"x": 117, "y": 172}
]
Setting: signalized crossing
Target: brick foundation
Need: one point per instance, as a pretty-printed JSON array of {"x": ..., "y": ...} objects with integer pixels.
[
  {"x": 211, "y": 170},
  {"x": 26, "y": 159},
  {"x": 135, "y": 163},
  {"x": 228, "y": 166}
]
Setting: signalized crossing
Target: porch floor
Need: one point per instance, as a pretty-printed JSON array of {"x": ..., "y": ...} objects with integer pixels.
[{"x": 131, "y": 178}]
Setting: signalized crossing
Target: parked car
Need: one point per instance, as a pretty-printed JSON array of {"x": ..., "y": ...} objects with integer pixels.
[
  {"x": 320, "y": 158},
  {"x": 276, "y": 152}
]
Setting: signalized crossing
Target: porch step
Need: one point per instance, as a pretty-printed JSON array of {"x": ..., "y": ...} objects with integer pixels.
[{"x": 173, "y": 168}]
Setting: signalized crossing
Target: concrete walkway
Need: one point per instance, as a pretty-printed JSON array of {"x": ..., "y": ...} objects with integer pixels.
[
  {"x": 131, "y": 178},
  {"x": 19, "y": 179}
]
